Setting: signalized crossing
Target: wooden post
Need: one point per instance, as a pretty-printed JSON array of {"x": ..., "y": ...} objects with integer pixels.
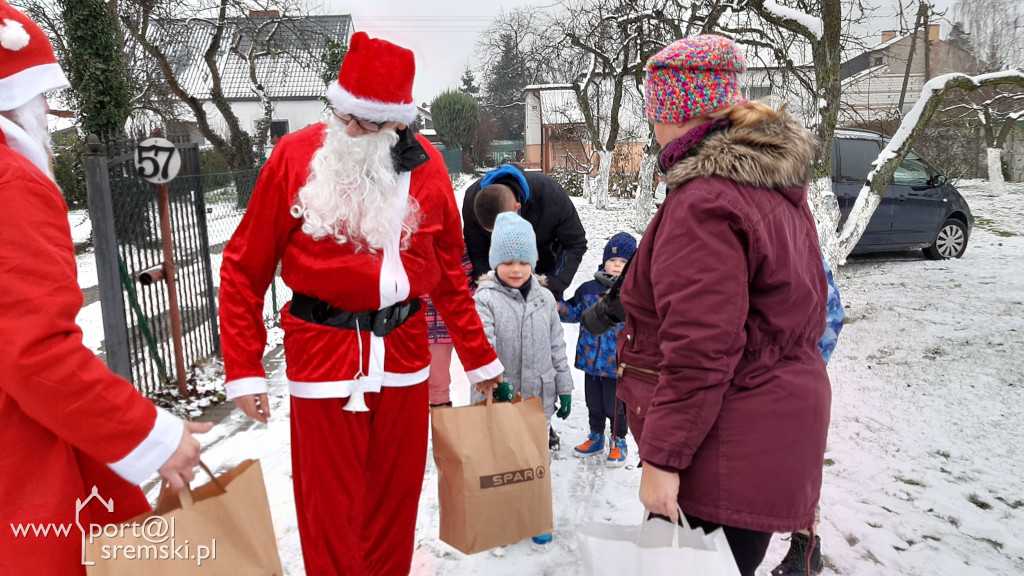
[
  {"x": 108, "y": 272},
  {"x": 163, "y": 196}
]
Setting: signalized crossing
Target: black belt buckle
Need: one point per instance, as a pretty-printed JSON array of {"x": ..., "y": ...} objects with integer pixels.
[
  {"x": 385, "y": 320},
  {"x": 320, "y": 312}
]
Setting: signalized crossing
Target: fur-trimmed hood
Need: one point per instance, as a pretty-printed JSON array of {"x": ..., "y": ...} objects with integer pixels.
[{"x": 776, "y": 154}]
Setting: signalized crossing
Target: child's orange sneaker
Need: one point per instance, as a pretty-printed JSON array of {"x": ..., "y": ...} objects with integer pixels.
[
  {"x": 617, "y": 454},
  {"x": 593, "y": 445}
]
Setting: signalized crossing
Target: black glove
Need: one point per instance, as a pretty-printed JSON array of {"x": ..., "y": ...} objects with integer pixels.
[{"x": 605, "y": 315}]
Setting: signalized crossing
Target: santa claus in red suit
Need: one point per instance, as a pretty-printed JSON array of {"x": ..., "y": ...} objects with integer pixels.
[
  {"x": 68, "y": 426},
  {"x": 359, "y": 213}
]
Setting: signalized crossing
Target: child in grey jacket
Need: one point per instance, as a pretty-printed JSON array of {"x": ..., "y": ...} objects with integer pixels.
[{"x": 520, "y": 318}]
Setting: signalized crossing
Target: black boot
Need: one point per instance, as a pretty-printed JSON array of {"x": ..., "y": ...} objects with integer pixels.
[
  {"x": 795, "y": 562},
  {"x": 553, "y": 442}
]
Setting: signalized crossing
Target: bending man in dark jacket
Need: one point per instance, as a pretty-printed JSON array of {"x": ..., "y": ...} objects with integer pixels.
[{"x": 561, "y": 239}]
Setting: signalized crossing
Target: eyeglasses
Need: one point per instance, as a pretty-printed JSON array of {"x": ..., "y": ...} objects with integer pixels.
[{"x": 364, "y": 124}]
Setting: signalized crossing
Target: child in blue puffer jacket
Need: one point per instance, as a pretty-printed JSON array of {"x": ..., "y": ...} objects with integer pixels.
[
  {"x": 595, "y": 356},
  {"x": 834, "y": 316}
]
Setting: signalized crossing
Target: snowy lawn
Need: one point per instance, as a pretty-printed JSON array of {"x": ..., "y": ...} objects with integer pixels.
[{"x": 923, "y": 471}]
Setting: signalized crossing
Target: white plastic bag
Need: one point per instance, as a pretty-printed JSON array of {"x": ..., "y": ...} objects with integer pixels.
[{"x": 654, "y": 548}]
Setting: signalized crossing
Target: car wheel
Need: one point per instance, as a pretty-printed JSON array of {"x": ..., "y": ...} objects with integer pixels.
[{"x": 951, "y": 241}]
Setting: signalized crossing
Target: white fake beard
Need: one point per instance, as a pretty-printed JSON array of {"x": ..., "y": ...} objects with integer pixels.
[
  {"x": 25, "y": 131},
  {"x": 352, "y": 192},
  {"x": 31, "y": 116}
]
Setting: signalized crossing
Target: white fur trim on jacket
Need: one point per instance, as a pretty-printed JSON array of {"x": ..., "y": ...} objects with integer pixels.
[
  {"x": 345, "y": 388},
  {"x": 485, "y": 372},
  {"x": 245, "y": 387},
  {"x": 347, "y": 103},
  {"x": 153, "y": 451}
]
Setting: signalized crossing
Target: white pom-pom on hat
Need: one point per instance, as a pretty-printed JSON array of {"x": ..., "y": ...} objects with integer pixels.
[
  {"x": 13, "y": 36},
  {"x": 28, "y": 66}
]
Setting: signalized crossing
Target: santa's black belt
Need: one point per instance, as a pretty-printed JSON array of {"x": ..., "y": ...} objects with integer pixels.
[{"x": 381, "y": 322}]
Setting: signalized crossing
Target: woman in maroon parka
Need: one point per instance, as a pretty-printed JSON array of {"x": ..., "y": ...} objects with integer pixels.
[{"x": 726, "y": 391}]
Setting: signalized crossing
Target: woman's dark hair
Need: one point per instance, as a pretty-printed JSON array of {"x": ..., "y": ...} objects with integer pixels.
[{"x": 490, "y": 202}]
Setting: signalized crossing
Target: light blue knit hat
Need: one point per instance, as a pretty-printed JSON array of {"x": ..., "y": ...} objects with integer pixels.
[{"x": 513, "y": 240}]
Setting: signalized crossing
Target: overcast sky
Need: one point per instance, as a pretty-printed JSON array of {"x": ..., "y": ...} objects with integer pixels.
[{"x": 443, "y": 33}]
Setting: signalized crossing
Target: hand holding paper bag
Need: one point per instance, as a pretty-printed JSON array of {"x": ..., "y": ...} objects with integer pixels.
[
  {"x": 654, "y": 548},
  {"x": 223, "y": 527}
]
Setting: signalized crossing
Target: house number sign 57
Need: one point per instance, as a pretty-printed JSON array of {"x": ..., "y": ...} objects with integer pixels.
[{"x": 157, "y": 161}]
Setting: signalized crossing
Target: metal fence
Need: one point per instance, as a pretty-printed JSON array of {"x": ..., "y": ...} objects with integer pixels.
[
  {"x": 452, "y": 160},
  {"x": 204, "y": 212},
  {"x": 225, "y": 198}
]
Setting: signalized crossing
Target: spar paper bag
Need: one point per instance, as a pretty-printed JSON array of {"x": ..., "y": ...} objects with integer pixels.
[
  {"x": 223, "y": 528},
  {"x": 494, "y": 483}
]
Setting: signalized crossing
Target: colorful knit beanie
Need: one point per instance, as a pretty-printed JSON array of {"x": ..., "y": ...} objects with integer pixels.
[
  {"x": 693, "y": 77},
  {"x": 512, "y": 240},
  {"x": 622, "y": 245}
]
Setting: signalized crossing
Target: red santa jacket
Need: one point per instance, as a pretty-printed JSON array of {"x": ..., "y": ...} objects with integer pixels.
[
  {"x": 326, "y": 362},
  {"x": 67, "y": 423}
]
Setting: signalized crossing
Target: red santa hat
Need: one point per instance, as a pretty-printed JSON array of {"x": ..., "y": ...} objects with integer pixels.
[
  {"x": 28, "y": 67},
  {"x": 375, "y": 81}
]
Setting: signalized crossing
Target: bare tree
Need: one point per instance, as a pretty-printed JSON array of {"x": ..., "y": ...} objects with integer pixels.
[
  {"x": 515, "y": 51},
  {"x": 609, "y": 43},
  {"x": 995, "y": 30},
  {"x": 147, "y": 96},
  {"x": 179, "y": 37},
  {"x": 614, "y": 40},
  {"x": 994, "y": 114},
  {"x": 528, "y": 27}
]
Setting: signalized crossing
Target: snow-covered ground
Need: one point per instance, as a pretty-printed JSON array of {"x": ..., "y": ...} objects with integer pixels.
[{"x": 923, "y": 473}]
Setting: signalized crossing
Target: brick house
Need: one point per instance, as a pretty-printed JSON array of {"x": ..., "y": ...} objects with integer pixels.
[{"x": 873, "y": 80}]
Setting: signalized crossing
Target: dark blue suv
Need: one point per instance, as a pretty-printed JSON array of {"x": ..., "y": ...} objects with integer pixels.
[{"x": 920, "y": 209}]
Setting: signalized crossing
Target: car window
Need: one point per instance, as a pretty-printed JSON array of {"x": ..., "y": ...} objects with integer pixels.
[
  {"x": 855, "y": 158},
  {"x": 913, "y": 171}
]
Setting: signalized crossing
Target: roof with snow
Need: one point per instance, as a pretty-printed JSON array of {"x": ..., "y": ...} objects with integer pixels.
[
  {"x": 559, "y": 106},
  {"x": 290, "y": 51},
  {"x": 873, "y": 71},
  {"x": 547, "y": 87}
]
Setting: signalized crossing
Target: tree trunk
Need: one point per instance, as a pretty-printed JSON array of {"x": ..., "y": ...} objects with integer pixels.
[
  {"x": 599, "y": 185},
  {"x": 643, "y": 205},
  {"x": 995, "y": 171},
  {"x": 825, "y": 209},
  {"x": 827, "y": 54}
]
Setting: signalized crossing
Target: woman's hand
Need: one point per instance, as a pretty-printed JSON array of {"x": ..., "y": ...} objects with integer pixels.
[
  {"x": 254, "y": 406},
  {"x": 659, "y": 491}
]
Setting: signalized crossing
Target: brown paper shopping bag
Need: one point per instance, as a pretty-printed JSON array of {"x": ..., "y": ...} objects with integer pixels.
[
  {"x": 493, "y": 471},
  {"x": 222, "y": 528}
]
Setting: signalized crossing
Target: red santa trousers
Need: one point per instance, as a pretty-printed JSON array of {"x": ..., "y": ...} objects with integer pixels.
[{"x": 358, "y": 478}]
